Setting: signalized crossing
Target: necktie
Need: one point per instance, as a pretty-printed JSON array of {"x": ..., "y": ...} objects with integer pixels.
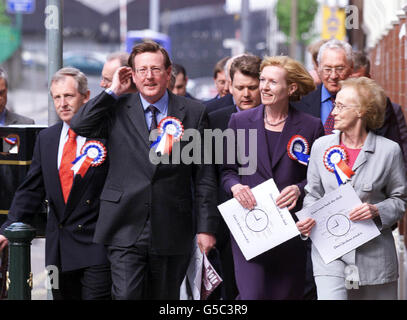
[
  {"x": 330, "y": 121},
  {"x": 68, "y": 156},
  {"x": 153, "y": 117}
]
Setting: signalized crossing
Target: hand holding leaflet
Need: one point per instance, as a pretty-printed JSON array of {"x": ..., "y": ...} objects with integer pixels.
[
  {"x": 263, "y": 227},
  {"x": 334, "y": 234}
]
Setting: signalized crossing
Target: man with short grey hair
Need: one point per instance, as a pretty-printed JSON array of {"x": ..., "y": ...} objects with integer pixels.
[
  {"x": 80, "y": 269},
  {"x": 335, "y": 63},
  {"x": 8, "y": 117}
]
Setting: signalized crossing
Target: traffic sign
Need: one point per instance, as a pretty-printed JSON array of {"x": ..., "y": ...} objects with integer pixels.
[{"x": 20, "y": 6}]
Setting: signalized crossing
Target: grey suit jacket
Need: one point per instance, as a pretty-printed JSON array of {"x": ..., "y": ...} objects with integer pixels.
[
  {"x": 14, "y": 118},
  {"x": 379, "y": 179}
]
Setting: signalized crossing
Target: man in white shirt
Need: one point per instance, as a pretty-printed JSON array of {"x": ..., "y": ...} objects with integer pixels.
[{"x": 72, "y": 197}]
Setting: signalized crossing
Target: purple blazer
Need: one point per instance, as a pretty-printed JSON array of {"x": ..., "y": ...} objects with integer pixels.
[
  {"x": 281, "y": 168},
  {"x": 278, "y": 273}
]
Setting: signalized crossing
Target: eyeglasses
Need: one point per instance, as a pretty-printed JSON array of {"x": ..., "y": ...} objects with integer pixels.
[
  {"x": 327, "y": 71},
  {"x": 142, "y": 72},
  {"x": 340, "y": 106}
]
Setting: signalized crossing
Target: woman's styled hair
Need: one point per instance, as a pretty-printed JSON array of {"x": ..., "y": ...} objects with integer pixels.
[
  {"x": 296, "y": 73},
  {"x": 372, "y": 100}
]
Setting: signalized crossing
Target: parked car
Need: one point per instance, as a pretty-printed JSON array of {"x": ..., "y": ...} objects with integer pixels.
[{"x": 90, "y": 63}]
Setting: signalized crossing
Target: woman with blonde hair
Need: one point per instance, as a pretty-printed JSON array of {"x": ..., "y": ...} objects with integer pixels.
[
  {"x": 284, "y": 136},
  {"x": 376, "y": 172}
]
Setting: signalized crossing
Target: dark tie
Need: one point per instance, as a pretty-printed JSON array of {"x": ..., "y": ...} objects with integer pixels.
[
  {"x": 153, "y": 111},
  {"x": 330, "y": 121},
  {"x": 65, "y": 172}
]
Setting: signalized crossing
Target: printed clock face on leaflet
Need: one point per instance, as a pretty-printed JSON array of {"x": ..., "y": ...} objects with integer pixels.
[
  {"x": 338, "y": 225},
  {"x": 257, "y": 220}
]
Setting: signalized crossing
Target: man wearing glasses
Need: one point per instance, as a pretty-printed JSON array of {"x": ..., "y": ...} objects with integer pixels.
[
  {"x": 147, "y": 210},
  {"x": 335, "y": 63}
]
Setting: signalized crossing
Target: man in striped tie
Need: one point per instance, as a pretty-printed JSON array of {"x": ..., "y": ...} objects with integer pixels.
[{"x": 80, "y": 269}]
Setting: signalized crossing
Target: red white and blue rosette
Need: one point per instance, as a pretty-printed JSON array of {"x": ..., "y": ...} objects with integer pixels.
[
  {"x": 171, "y": 131},
  {"x": 335, "y": 159},
  {"x": 298, "y": 149},
  {"x": 11, "y": 141},
  {"x": 93, "y": 153}
]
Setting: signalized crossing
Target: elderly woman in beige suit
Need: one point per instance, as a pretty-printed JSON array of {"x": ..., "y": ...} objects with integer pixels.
[{"x": 378, "y": 178}]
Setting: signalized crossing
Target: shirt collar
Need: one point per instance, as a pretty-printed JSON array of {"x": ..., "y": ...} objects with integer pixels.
[
  {"x": 325, "y": 95},
  {"x": 161, "y": 105},
  {"x": 65, "y": 128}
]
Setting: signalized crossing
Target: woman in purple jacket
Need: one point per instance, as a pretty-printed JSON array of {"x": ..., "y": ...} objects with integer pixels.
[{"x": 280, "y": 272}]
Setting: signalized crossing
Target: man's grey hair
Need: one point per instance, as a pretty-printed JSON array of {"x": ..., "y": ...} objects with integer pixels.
[
  {"x": 79, "y": 77},
  {"x": 3, "y": 75},
  {"x": 123, "y": 57},
  {"x": 336, "y": 45}
]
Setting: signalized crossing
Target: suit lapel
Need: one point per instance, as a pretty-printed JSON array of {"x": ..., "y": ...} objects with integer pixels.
[
  {"x": 368, "y": 147},
  {"x": 51, "y": 166},
  {"x": 263, "y": 159},
  {"x": 78, "y": 188},
  {"x": 290, "y": 129},
  {"x": 175, "y": 107},
  {"x": 136, "y": 114},
  {"x": 313, "y": 101}
]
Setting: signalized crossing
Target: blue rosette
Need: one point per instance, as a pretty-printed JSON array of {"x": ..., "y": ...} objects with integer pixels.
[
  {"x": 93, "y": 153},
  {"x": 298, "y": 149},
  {"x": 171, "y": 131}
]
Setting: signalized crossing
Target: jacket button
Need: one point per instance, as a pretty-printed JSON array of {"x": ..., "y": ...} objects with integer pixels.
[
  {"x": 60, "y": 226},
  {"x": 87, "y": 201},
  {"x": 79, "y": 226}
]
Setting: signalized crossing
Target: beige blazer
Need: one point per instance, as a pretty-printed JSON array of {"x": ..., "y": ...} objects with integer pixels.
[{"x": 379, "y": 179}]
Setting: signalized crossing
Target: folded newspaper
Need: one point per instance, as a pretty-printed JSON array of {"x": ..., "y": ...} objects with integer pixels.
[{"x": 201, "y": 278}]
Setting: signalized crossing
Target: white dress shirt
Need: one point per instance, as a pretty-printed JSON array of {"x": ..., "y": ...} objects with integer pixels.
[{"x": 80, "y": 141}]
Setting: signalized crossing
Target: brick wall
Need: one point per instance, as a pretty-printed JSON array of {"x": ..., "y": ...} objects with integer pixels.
[{"x": 388, "y": 64}]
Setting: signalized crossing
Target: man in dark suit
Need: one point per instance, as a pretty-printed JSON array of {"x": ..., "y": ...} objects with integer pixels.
[
  {"x": 73, "y": 200},
  {"x": 6, "y": 116},
  {"x": 181, "y": 80},
  {"x": 335, "y": 63},
  {"x": 219, "y": 78},
  {"x": 227, "y": 99},
  {"x": 146, "y": 216},
  {"x": 244, "y": 73}
]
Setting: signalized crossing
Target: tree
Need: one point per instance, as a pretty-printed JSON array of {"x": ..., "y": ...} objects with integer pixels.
[
  {"x": 4, "y": 18},
  {"x": 306, "y": 14}
]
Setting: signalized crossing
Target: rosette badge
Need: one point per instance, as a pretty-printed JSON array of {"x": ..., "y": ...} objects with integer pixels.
[
  {"x": 171, "y": 131},
  {"x": 93, "y": 154},
  {"x": 335, "y": 161},
  {"x": 298, "y": 149}
]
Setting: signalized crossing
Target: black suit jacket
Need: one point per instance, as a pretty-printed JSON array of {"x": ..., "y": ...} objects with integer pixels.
[
  {"x": 219, "y": 119},
  {"x": 136, "y": 188},
  {"x": 311, "y": 104},
  {"x": 217, "y": 104},
  {"x": 70, "y": 227}
]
